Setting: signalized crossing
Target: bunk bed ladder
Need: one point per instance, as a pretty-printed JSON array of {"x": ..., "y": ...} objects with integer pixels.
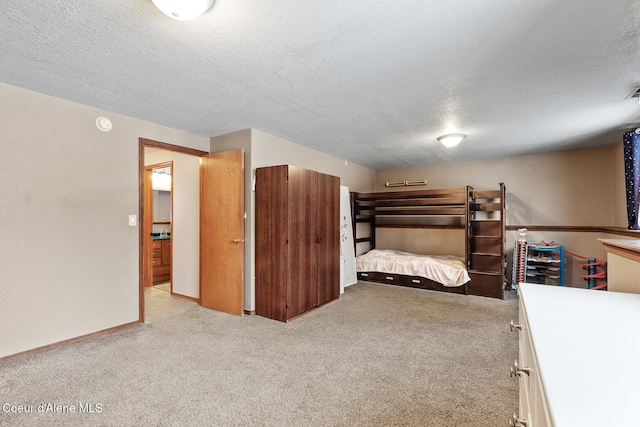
[
  {"x": 357, "y": 218},
  {"x": 486, "y": 233}
]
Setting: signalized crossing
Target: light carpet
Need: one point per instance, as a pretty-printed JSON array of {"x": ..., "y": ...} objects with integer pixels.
[{"x": 379, "y": 356}]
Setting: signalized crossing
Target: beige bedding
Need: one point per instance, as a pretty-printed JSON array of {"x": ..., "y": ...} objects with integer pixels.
[{"x": 448, "y": 270}]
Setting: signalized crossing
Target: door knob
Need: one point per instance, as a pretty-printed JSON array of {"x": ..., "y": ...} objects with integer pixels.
[{"x": 238, "y": 240}]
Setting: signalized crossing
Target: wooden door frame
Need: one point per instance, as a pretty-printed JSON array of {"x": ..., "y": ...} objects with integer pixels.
[{"x": 142, "y": 144}]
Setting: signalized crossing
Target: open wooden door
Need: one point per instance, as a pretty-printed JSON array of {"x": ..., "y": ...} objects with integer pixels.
[{"x": 222, "y": 231}]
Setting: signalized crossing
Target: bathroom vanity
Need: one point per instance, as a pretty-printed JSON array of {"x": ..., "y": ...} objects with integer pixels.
[{"x": 161, "y": 260}]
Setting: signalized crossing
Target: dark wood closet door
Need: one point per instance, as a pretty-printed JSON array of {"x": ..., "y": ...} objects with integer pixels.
[
  {"x": 271, "y": 247},
  {"x": 328, "y": 246},
  {"x": 302, "y": 292}
]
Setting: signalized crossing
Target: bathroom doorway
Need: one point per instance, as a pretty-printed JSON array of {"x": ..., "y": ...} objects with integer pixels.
[
  {"x": 161, "y": 233},
  {"x": 182, "y": 222}
]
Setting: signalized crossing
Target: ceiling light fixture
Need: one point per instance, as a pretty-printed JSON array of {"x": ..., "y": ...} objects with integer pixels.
[
  {"x": 183, "y": 10},
  {"x": 160, "y": 180},
  {"x": 452, "y": 139}
]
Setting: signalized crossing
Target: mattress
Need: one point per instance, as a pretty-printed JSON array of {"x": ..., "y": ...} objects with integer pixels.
[{"x": 448, "y": 270}]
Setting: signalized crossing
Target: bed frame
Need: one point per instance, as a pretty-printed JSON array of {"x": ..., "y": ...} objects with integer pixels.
[{"x": 482, "y": 215}]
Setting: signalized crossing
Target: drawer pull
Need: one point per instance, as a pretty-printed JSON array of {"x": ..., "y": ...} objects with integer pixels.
[
  {"x": 388, "y": 277},
  {"x": 364, "y": 274},
  {"x": 514, "y": 421},
  {"x": 513, "y": 326},
  {"x": 516, "y": 370},
  {"x": 415, "y": 281}
]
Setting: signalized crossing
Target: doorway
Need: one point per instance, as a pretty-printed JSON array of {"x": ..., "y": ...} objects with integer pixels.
[
  {"x": 159, "y": 216},
  {"x": 176, "y": 231},
  {"x": 209, "y": 269}
]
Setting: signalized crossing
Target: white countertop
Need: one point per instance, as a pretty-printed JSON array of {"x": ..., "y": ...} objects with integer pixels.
[{"x": 587, "y": 345}]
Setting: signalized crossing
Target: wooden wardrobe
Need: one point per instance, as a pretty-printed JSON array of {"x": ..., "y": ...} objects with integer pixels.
[{"x": 297, "y": 240}]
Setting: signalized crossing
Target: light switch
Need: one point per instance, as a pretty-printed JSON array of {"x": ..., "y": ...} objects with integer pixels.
[{"x": 133, "y": 220}]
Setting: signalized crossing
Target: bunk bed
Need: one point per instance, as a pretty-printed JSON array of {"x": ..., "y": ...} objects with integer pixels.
[{"x": 481, "y": 214}]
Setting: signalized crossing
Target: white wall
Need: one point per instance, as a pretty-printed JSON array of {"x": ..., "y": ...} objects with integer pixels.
[
  {"x": 263, "y": 149},
  {"x": 185, "y": 226},
  {"x": 562, "y": 188},
  {"x": 269, "y": 150},
  {"x": 68, "y": 259}
]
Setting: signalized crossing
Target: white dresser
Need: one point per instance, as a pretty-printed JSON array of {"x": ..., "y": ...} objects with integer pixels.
[{"x": 579, "y": 362}]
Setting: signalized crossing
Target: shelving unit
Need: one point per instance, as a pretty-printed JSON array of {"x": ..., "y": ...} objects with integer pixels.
[{"x": 545, "y": 265}]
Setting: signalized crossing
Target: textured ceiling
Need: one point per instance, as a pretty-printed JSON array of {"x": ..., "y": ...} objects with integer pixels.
[{"x": 374, "y": 82}]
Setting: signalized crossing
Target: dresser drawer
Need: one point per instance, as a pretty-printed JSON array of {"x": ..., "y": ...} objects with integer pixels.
[
  {"x": 533, "y": 404},
  {"x": 161, "y": 270}
]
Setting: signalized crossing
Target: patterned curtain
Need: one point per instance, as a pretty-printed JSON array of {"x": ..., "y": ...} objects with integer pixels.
[{"x": 631, "y": 142}]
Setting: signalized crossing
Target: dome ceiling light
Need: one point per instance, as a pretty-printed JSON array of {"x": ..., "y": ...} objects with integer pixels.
[
  {"x": 183, "y": 10},
  {"x": 451, "y": 139}
]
